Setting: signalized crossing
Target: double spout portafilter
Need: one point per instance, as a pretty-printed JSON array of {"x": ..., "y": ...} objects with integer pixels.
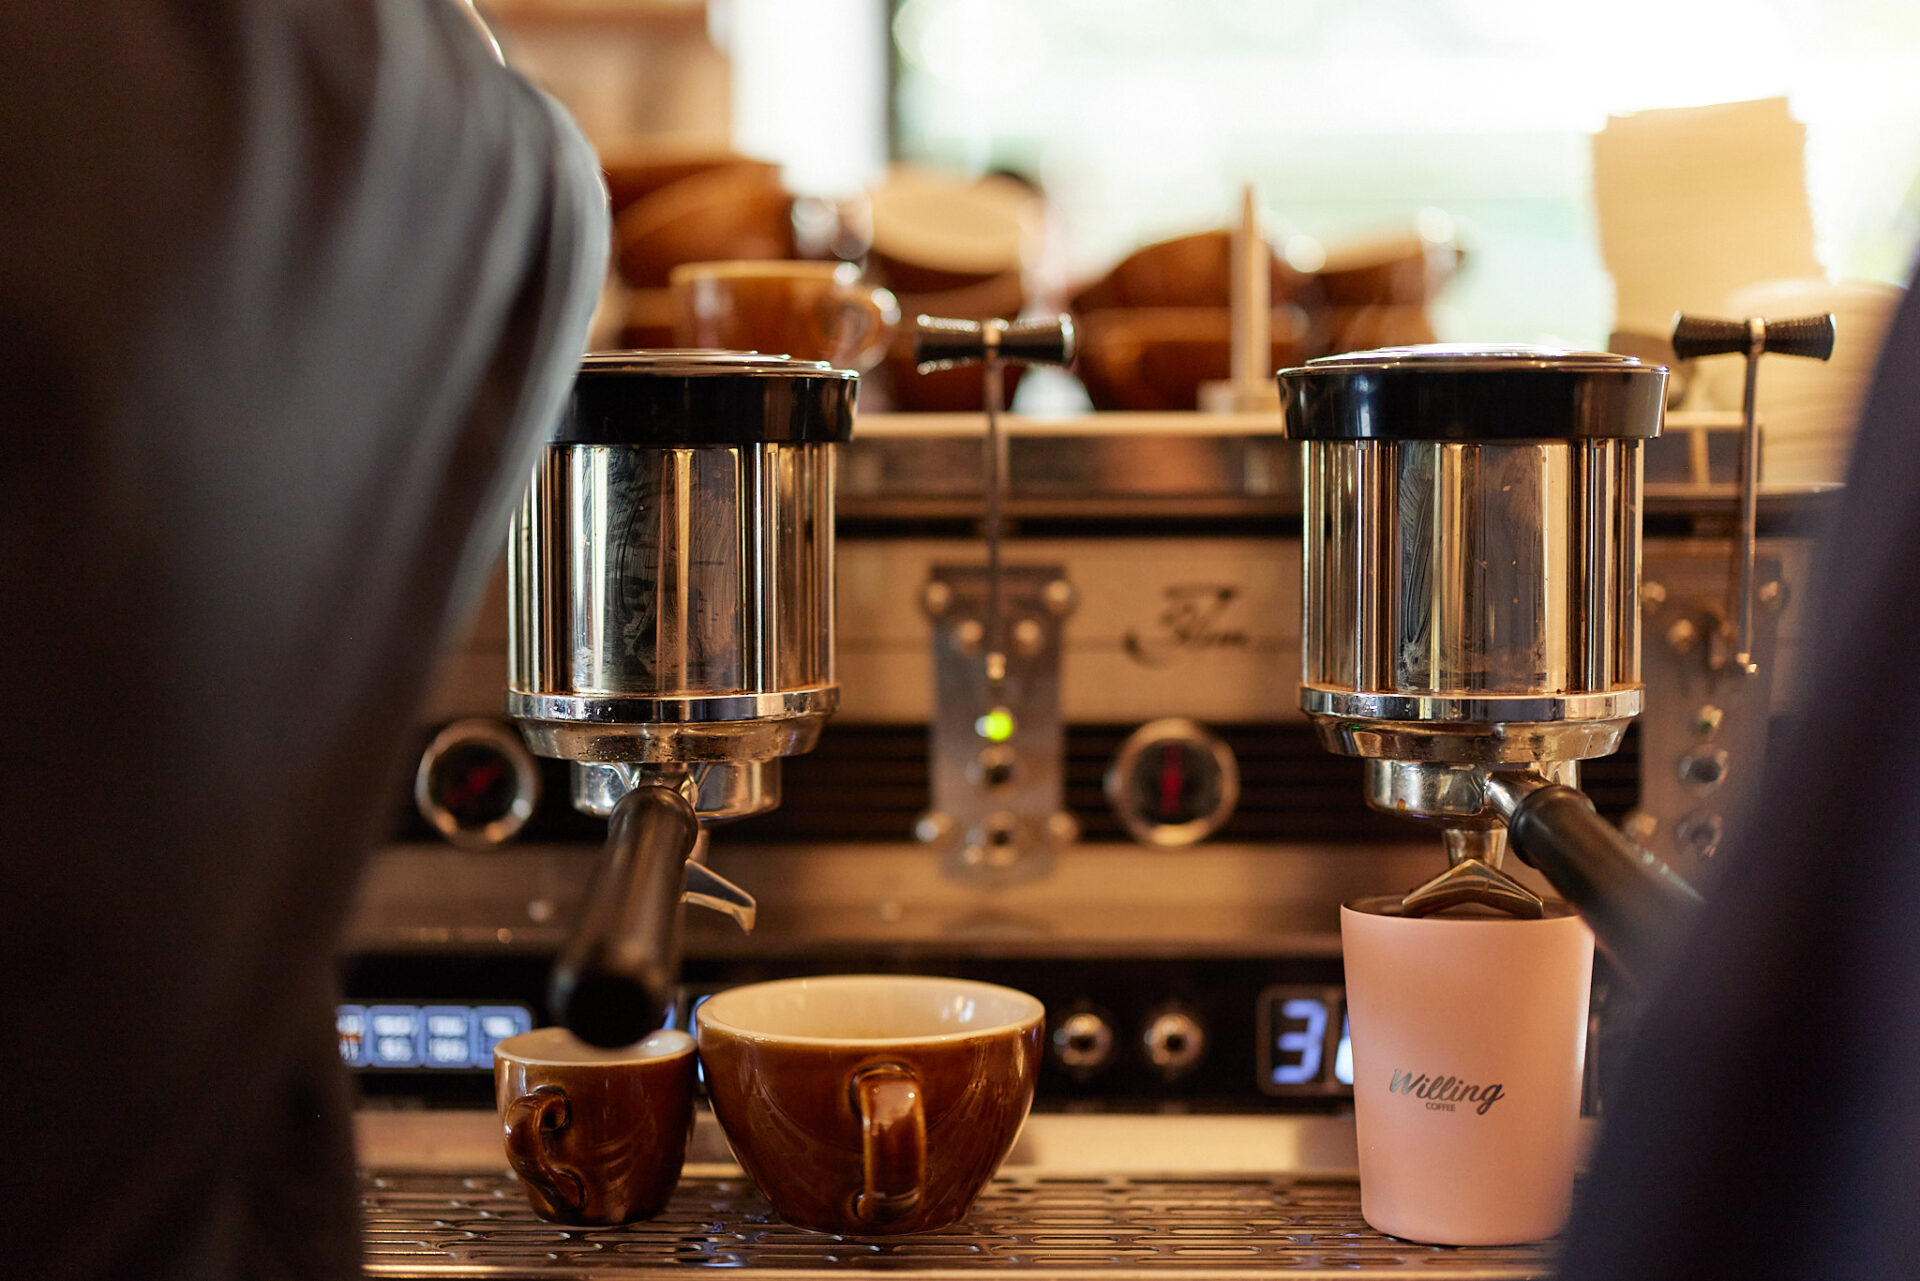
[
  {"x": 1470, "y": 606},
  {"x": 671, "y": 587}
]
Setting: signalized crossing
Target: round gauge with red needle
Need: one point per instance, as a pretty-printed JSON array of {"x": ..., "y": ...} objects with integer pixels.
[
  {"x": 477, "y": 783},
  {"x": 1173, "y": 782}
]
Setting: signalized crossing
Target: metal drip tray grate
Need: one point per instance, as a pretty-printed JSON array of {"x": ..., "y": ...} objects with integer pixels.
[{"x": 454, "y": 1225}]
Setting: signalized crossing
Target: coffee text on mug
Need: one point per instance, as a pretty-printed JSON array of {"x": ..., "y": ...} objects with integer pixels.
[{"x": 1442, "y": 1092}]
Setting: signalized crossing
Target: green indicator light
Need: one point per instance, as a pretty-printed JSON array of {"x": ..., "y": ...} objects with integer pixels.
[{"x": 996, "y": 726}]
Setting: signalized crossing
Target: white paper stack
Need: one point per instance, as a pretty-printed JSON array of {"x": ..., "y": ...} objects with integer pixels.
[{"x": 1695, "y": 203}]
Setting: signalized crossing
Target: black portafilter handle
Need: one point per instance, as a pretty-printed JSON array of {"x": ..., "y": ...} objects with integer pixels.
[
  {"x": 1707, "y": 336},
  {"x": 941, "y": 343},
  {"x": 615, "y": 980},
  {"x": 1638, "y": 908}
]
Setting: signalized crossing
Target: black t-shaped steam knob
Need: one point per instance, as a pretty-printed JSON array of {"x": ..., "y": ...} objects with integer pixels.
[
  {"x": 940, "y": 343},
  {"x": 1709, "y": 336}
]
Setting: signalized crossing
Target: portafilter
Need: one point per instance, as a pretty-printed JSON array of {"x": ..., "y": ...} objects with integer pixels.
[
  {"x": 1470, "y": 609},
  {"x": 671, "y": 592}
]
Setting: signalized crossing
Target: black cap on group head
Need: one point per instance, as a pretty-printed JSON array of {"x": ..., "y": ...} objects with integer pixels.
[
  {"x": 1470, "y": 394},
  {"x": 692, "y": 398}
]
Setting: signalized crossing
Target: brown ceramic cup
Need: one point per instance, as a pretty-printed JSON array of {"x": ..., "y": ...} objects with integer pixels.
[
  {"x": 869, "y": 1105},
  {"x": 807, "y": 310},
  {"x": 596, "y": 1136}
]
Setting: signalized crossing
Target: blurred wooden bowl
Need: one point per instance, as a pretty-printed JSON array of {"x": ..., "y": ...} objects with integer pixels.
[
  {"x": 1365, "y": 328},
  {"x": 1187, "y": 271},
  {"x": 1401, "y": 269},
  {"x": 739, "y": 211},
  {"x": 647, "y": 322},
  {"x": 635, "y": 171},
  {"x": 1156, "y": 358}
]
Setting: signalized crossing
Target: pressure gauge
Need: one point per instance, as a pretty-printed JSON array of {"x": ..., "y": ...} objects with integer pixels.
[
  {"x": 1173, "y": 783},
  {"x": 477, "y": 783}
]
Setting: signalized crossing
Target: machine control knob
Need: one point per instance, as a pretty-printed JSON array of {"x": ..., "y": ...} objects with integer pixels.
[
  {"x": 1699, "y": 834},
  {"x": 1707, "y": 719},
  {"x": 1704, "y": 767},
  {"x": 1082, "y": 1042},
  {"x": 1175, "y": 1041},
  {"x": 995, "y": 766}
]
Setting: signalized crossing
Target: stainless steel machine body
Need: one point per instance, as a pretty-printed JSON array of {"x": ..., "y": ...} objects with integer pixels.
[
  {"x": 671, "y": 584},
  {"x": 1471, "y": 584},
  {"x": 1190, "y": 1104},
  {"x": 673, "y": 595},
  {"x": 1476, "y": 571},
  {"x": 1471, "y": 599}
]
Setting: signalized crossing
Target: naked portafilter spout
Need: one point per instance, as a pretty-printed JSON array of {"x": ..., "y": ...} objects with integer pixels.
[
  {"x": 671, "y": 587},
  {"x": 1470, "y": 610}
]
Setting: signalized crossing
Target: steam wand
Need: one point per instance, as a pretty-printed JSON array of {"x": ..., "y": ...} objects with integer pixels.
[
  {"x": 1694, "y": 336},
  {"x": 615, "y": 980},
  {"x": 941, "y": 343}
]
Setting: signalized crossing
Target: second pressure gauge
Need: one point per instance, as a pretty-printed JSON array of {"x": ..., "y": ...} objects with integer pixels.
[
  {"x": 1173, "y": 782},
  {"x": 477, "y": 783}
]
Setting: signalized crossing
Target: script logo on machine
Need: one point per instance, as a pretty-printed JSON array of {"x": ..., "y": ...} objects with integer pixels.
[
  {"x": 1445, "y": 1093},
  {"x": 1192, "y": 618}
]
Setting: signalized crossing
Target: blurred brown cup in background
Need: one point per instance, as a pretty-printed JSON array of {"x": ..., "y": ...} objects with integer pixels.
[
  {"x": 807, "y": 310},
  {"x": 596, "y": 1136},
  {"x": 871, "y": 1105}
]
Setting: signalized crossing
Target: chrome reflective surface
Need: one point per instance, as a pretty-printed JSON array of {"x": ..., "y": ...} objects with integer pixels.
[
  {"x": 1460, "y": 794},
  {"x": 718, "y": 789},
  {"x": 692, "y": 580},
  {"x": 1456, "y": 570},
  {"x": 477, "y": 1224}
]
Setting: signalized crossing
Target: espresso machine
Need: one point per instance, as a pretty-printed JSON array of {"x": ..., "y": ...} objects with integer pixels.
[
  {"x": 671, "y": 593},
  {"x": 1471, "y": 610}
]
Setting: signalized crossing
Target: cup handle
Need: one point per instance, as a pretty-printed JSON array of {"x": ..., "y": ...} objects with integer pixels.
[
  {"x": 876, "y": 315},
  {"x": 533, "y": 1121},
  {"x": 893, "y": 1147}
]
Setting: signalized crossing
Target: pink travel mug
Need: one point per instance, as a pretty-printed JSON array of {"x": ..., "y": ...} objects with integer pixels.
[{"x": 1469, "y": 1038}]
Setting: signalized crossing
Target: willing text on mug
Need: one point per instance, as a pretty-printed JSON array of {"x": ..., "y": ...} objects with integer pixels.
[{"x": 1441, "y": 1093}]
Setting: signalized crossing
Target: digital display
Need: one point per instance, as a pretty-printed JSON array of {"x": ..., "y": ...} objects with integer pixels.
[
  {"x": 1304, "y": 1044},
  {"x": 438, "y": 1037}
]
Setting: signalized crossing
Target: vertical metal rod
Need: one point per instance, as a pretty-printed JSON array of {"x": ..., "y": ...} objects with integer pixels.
[
  {"x": 996, "y": 469},
  {"x": 759, "y": 567},
  {"x": 1749, "y": 501},
  {"x": 1594, "y": 526},
  {"x": 820, "y": 659},
  {"x": 676, "y": 570},
  {"x": 1313, "y": 567},
  {"x": 1626, "y": 592},
  {"x": 1579, "y": 540},
  {"x": 1376, "y": 506},
  {"x": 593, "y": 580},
  {"x": 1452, "y": 602}
]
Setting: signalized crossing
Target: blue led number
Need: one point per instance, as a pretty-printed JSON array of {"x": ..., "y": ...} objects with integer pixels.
[
  {"x": 1343, "y": 1057},
  {"x": 494, "y": 1024},
  {"x": 350, "y": 1021},
  {"x": 1301, "y": 1046},
  {"x": 448, "y": 1039},
  {"x": 393, "y": 1036}
]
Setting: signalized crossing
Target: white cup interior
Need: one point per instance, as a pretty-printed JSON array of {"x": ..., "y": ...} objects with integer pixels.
[
  {"x": 867, "y": 1008},
  {"x": 557, "y": 1047}
]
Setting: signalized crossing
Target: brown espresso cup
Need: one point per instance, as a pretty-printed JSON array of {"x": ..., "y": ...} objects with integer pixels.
[
  {"x": 807, "y": 310},
  {"x": 869, "y": 1105},
  {"x": 596, "y": 1136}
]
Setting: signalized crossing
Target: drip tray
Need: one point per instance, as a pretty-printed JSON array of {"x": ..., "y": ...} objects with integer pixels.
[{"x": 454, "y": 1224}]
